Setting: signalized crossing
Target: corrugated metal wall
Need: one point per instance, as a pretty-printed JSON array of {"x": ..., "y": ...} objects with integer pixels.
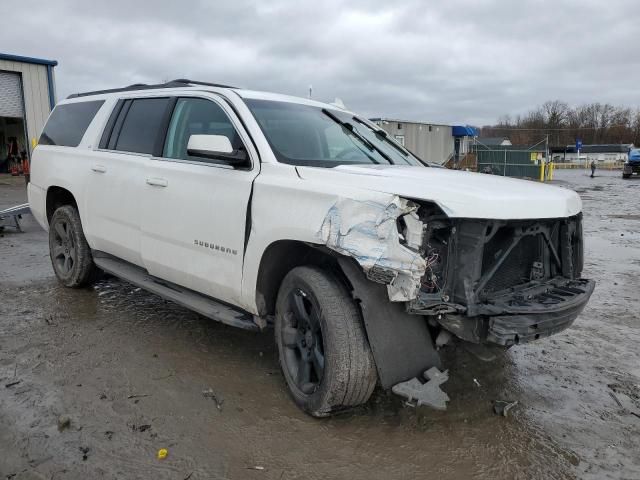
[
  {"x": 35, "y": 87},
  {"x": 433, "y": 143}
]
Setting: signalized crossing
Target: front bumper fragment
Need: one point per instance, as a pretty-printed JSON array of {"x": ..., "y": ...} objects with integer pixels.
[{"x": 538, "y": 314}]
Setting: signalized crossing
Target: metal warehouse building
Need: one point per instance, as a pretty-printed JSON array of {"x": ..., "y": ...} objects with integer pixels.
[
  {"x": 435, "y": 143},
  {"x": 27, "y": 96}
]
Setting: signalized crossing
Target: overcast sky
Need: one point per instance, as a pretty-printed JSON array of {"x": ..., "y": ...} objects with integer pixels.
[{"x": 439, "y": 61}]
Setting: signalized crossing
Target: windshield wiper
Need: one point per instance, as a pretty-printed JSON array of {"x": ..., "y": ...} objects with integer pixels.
[
  {"x": 354, "y": 131},
  {"x": 385, "y": 136},
  {"x": 382, "y": 133}
]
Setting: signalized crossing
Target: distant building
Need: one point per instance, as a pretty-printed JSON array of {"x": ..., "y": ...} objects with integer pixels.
[
  {"x": 463, "y": 139},
  {"x": 432, "y": 142},
  {"x": 617, "y": 152},
  {"x": 494, "y": 141},
  {"x": 27, "y": 96}
]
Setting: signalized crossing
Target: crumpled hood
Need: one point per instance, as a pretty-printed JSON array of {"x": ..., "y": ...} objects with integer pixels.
[{"x": 459, "y": 194}]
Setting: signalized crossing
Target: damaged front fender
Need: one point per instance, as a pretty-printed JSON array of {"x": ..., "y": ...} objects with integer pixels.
[{"x": 368, "y": 231}]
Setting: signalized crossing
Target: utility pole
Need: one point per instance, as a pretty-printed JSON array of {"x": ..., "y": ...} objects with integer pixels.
[
  {"x": 546, "y": 147},
  {"x": 547, "y": 163}
]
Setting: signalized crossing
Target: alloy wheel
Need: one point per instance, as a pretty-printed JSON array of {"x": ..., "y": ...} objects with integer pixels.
[
  {"x": 64, "y": 253},
  {"x": 302, "y": 340}
]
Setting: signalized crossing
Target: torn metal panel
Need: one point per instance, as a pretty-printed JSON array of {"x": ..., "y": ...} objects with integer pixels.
[
  {"x": 414, "y": 231},
  {"x": 368, "y": 232}
]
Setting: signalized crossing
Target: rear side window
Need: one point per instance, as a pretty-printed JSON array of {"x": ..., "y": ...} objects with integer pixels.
[
  {"x": 68, "y": 123},
  {"x": 143, "y": 125}
]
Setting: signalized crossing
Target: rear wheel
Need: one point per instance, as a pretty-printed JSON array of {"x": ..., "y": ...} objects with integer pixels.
[
  {"x": 70, "y": 254},
  {"x": 324, "y": 353}
]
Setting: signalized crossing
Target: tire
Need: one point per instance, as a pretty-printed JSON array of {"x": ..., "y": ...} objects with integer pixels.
[
  {"x": 625, "y": 175},
  {"x": 324, "y": 353},
  {"x": 68, "y": 249}
]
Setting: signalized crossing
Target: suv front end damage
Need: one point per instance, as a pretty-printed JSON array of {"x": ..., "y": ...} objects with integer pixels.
[
  {"x": 503, "y": 281},
  {"x": 490, "y": 282}
]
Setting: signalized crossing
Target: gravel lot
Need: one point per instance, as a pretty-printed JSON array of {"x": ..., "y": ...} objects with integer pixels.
[{"x": 128, "y": 370}]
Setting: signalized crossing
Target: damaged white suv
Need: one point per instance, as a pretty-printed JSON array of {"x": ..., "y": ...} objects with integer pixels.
[{"x": 254, "y": 209}]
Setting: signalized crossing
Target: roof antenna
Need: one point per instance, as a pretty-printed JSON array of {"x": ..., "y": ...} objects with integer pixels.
[{"x": 310, "y": 91}]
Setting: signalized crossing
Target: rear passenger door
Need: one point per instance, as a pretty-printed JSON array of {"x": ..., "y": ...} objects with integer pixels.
[
  {"x": 194, "y": 209},
  {"x": 134, "y": 132}
]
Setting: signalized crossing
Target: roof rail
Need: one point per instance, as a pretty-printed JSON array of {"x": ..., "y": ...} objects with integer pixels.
[
  {"x": 180, "y": 82},
  {"x": 197, "y": 82}
]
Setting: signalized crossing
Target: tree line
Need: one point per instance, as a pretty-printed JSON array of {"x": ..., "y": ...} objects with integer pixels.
[{"x": 593, "y": 123}]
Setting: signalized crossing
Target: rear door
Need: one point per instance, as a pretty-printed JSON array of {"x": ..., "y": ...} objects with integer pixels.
[
  {"x": 116, "y": 180},
  {"x": 194, "y": 210}
]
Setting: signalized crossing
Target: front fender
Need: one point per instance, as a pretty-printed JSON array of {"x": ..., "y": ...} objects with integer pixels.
[{"x": 354, "y": 222}]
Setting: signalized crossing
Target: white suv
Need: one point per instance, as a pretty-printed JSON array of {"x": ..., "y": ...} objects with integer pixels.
[{"x": 254, "y": 209}]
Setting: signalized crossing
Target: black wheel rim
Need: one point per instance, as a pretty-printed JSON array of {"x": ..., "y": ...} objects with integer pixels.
[
  {"x": 302, "y": 342},
  {"x": 63, "y": 252}
]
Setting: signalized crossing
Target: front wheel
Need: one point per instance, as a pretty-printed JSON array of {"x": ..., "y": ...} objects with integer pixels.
[
  {"x": 324, "y": 353},
  {"x": 70, "y": 254}
]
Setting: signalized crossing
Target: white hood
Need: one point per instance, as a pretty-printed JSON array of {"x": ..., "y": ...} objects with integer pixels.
[{"x": 459, "y": 194}]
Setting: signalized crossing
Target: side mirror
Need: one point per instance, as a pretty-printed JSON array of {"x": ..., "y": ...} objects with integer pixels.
[{"x": 216, "y": 147}]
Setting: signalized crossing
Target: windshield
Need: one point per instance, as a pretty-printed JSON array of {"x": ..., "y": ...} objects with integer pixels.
[{"x": 312, "y": 136}]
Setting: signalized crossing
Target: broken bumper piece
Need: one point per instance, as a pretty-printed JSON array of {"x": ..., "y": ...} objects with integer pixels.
[
  {"x": 428, "y": 393},
  {"x": 539, "y": 315},
  {"x": 522, "y": 315}
]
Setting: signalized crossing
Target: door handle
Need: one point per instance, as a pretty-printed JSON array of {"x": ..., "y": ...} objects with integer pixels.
[
  {"x": 157, "y": 182},
  {"x": 99, "y": 169}
]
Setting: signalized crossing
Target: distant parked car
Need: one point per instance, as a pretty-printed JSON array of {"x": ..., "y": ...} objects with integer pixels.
[
  {"x": 632, "y": 165},
  {"x": 260, "y": 209}
]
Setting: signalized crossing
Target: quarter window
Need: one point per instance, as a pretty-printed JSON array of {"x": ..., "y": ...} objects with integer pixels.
[
  {"x": 68, "y": 123},
  {"x": 142, "y": 126},
  {"x": 197, "y": 116}
]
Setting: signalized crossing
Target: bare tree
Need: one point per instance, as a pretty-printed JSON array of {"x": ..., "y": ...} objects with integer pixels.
[{"x": 592, "y": 123}]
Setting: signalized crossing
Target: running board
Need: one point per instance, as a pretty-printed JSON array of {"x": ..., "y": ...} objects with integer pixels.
[{"x": 169, "y": 291}]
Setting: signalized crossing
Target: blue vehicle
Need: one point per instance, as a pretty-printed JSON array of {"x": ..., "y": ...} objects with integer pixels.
[{"x": 632, "y": 165}]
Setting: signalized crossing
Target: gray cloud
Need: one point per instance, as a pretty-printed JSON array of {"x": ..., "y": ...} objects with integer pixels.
[{"x": 466, "y": 61}]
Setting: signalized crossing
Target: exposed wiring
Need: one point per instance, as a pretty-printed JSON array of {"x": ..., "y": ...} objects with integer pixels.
[{"x": 432, "y": 259}]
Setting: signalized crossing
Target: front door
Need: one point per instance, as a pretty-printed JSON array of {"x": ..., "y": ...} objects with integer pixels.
[{"x": 194, "y": 210}]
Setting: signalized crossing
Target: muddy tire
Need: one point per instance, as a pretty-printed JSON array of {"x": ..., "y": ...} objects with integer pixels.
[
  {"x": 324, "y": 352},
  {"x": 70, "y": 254}
]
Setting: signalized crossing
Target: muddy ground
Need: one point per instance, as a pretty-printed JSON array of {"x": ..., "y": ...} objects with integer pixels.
[{"x": 129, "y": 371}]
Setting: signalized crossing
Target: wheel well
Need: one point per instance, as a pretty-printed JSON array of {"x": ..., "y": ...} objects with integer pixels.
[
  {"x": 56, "y": 198},
  {"x": 279, "y": 259}
]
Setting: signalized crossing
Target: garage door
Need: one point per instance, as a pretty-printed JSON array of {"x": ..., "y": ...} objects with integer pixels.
[{"x": 10, "y": 95}]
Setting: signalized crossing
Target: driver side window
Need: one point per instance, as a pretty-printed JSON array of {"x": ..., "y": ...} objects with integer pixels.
[{"x": 197, "y": 116}]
